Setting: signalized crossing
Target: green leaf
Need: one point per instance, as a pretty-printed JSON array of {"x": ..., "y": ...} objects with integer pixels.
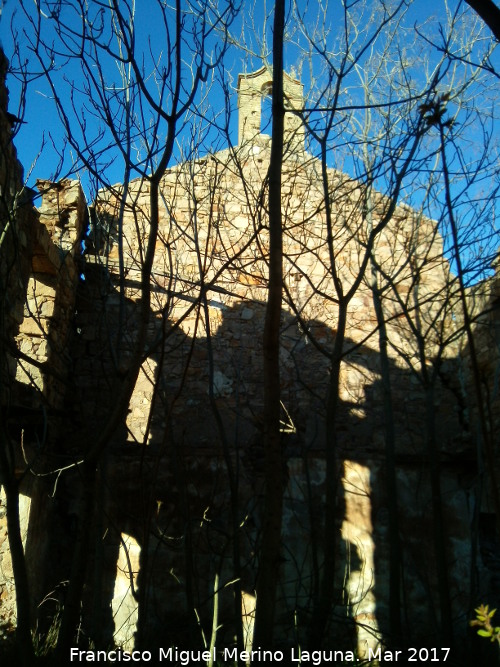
[{"x": 484, "y": 633}]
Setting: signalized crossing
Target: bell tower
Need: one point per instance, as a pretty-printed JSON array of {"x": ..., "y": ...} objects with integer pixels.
[{"x": 252, "y": 89}]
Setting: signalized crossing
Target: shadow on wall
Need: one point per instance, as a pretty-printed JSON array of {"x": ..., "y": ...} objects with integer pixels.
[
  {"x": 39, "y": 266},
  {"x": 178, "y": 498}
]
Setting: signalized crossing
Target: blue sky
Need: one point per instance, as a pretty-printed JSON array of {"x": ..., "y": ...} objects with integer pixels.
[
  {"x": 40, "y": 140},
  {"x": 43, "y": 127}
]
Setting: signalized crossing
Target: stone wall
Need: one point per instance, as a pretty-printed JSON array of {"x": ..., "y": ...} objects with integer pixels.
[
  {"x": 15, "y": 247},
  {"x": 206, "y": 361},
  {"x": 39, "y": 275},
  {"x": 182, "y": 476},
  {"x": 484, "y": 307}
]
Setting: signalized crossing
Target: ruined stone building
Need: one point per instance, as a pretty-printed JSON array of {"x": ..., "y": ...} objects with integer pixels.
[{"x": 188, "y": 454}]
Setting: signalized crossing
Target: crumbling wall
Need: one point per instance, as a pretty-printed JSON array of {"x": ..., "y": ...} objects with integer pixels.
[
  {"x": 39, "y": 274},
  {"x": 164, "y": 508},
  {"x": 213, "y": 234},
  {"x": 16, "y": 218},
  {"x": 483, "y": 302}
]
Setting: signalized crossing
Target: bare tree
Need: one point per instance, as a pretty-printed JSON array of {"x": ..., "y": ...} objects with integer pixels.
[
  {"x": 489, "y": 12},
  {"x": 139, "y": 114},
  {"x": 271, "y": 538},
  {"x": 173, "y": 238},
  {"x": 392, "y": 163}
]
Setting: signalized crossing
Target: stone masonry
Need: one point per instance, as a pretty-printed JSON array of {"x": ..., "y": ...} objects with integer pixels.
[{"x": 165, "y": 503}]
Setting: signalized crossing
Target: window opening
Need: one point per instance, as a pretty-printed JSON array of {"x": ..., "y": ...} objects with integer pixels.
[{"x": 266, "y": 118}]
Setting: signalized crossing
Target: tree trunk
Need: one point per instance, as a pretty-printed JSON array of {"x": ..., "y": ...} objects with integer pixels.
[
  {"x": 267, "y": 579},
  {"x": 323, "y": 604},
  {"x": 390, "y": 473},
  {"x": 438, "y": 524},
  {"x": 23, "y": 630}
]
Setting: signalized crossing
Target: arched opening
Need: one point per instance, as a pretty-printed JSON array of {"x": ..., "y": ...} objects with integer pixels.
[{"x": 266, "y": 117}]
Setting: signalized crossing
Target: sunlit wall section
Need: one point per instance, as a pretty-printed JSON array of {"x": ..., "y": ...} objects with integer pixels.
[
  {"x": 125, "y": 611},
  {"x": 360, "y": 555}
]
